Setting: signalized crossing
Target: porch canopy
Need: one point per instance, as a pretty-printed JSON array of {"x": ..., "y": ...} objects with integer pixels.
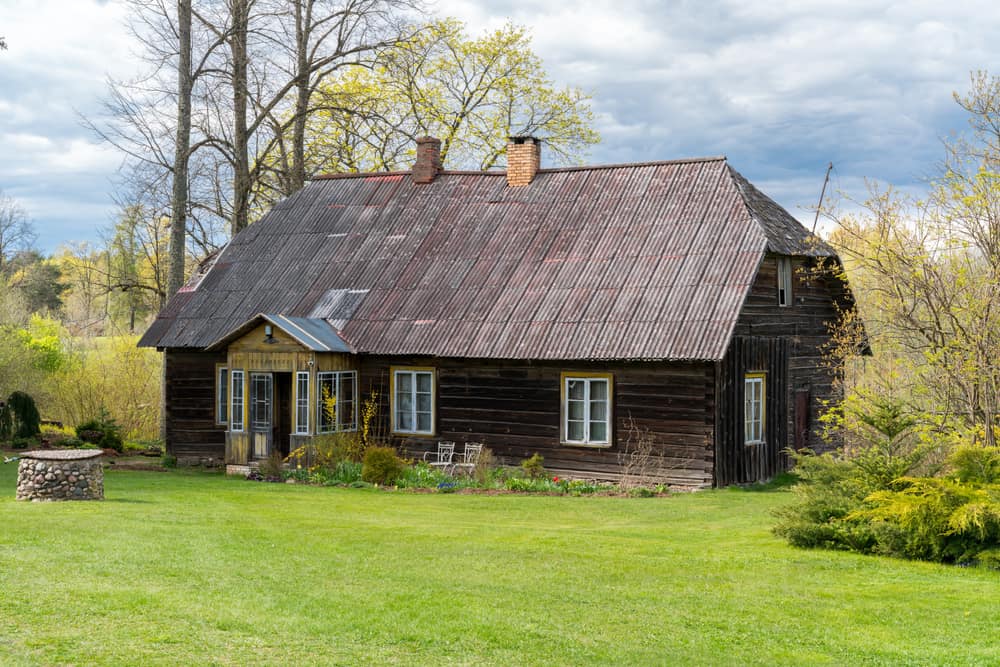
[{"x": 313, "y": 333}]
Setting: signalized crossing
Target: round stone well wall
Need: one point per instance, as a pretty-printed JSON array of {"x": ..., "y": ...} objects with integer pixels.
[{"x": 60, "y": 474}]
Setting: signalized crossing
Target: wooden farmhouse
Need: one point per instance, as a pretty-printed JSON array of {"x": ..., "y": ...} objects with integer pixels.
[{"x": 580, "y": 313}]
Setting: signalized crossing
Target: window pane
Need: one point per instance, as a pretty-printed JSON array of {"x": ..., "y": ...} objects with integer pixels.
[
  {"x": 598, "y": 390},
  {"x": 326, "y": 402},
  {"x": 424, "y": 402},
  {"x": 575, "y": 410},
  {"x": 302, "y": 403},
  {"x": 424, "y": 421},
  {"x": 576, "y": 390},
  {"x": 424, "y": 382},
  {"x": 598, "y": 410},
  {"x": 404, "y": 382},
  {"x": 237, "y": 401},
  {"x": 598, "y": 432},
  {"x": 574, "y": 431},
  {"x": 347, "y": 417},
  {"x": 404, "y": 420},
  {"x": 223, "y": 399}
]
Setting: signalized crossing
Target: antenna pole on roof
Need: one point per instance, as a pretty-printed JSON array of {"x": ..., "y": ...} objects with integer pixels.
[{"x": 822, "y": 194}]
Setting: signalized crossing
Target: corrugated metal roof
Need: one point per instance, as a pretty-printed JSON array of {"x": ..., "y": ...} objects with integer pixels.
[{"x": 643, "y": 261}]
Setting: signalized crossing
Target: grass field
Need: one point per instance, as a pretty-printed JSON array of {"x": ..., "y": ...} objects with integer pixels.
[{"x": 192, "y": 568}]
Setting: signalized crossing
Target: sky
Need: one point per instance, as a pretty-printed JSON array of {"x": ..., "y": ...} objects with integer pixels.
[{"x": 780, "y": 87}]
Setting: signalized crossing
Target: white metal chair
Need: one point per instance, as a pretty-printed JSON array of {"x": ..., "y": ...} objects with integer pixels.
[
  {"x": 470, "y": 457},
  {"x": 442, "y": 458}
]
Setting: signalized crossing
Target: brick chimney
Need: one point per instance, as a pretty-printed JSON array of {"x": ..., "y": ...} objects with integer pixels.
[
  {"x": 428, "y": 162},
  {"x": 524, "y": 156}
]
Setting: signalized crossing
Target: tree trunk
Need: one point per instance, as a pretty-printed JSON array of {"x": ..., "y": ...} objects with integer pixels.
[
  {"x": 241, "y": 159},
  {"x": 303, "y": 26},
  {"x": 182, "y": 146}
]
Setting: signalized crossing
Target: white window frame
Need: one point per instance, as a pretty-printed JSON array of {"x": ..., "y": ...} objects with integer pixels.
[
  {"x": 754, "y": 408},
  {"x": 302, "y": 402},
  {"x": 222, "y": 395},
  {"x": 236, "y": 425},
  {"x": 784, "y": 281},
  {"x": 337, "y": 379},
  {"x": 589, "y": 379},
  {"x": 413, "y": 373}
]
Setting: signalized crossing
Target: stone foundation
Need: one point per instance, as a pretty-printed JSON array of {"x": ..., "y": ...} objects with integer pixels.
[{"x": 68, "y": 474}]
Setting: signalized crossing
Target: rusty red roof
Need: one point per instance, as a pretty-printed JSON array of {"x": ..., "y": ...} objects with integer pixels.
[{"x": 638, "y": 261}]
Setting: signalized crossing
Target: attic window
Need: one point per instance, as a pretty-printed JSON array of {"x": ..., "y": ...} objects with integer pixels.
[{"x": 784, "y": 281}]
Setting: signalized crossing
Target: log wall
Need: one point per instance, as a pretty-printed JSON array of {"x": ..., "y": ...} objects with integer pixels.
[
  {"x": 514, "y": 408},
  {"x": 735, "y": 461},
  {"x": 804, "y": 329},
  {"x": 189, "y": 405}
]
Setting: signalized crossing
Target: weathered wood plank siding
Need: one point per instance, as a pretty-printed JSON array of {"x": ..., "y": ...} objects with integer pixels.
[
  {"x": 804, "y": 329},
  {"x": 189, "y": 416},
  {"x": 514, "y": 408},
  {"x": 735, "y": 461}
]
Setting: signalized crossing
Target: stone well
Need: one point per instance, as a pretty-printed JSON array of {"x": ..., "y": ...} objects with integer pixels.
[{"x": 60, "y": 474}]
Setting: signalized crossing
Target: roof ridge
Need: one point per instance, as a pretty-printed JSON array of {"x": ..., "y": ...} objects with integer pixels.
[
  {"x": 549, "y": 170},
  {"x": 753, "y": 198}
]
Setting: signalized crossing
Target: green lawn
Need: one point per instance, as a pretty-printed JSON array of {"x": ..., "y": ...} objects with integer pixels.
[{"x": 192, "y": 568}]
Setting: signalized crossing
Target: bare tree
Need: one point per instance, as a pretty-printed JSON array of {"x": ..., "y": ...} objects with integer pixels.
[
  {"x": 157, "y": 143},
  {"x": 280, "y": 53},
  {"x": 238, "y": 77},
  {"x": 182, "y": 151},
  {"x": 16, "y": 230}
]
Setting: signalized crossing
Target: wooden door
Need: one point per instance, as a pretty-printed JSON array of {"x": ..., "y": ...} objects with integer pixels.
[
  {"x": 801, "y": 419},
  {"x": 261, "y": 413}
]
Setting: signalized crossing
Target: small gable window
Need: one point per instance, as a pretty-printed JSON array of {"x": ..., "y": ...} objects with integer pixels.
[
  {"x": 586, "y": 408},
  {"x": 413, "y": 400},
  {"x": 784, "y": 281},
  {"x": 336, "y": 396},
  {"x": 753, "y": 408}
]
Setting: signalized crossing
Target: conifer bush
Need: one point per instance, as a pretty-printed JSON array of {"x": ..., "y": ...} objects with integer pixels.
[{"x": 19, "y": 418}]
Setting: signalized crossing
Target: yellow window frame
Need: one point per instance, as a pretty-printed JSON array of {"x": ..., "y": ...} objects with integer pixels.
[
  {"x": 392, "y": 400},
  {"x": 563, "y": 408}
]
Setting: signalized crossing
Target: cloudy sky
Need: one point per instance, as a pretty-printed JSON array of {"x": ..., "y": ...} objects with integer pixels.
[{"x": 781, "y": 87}]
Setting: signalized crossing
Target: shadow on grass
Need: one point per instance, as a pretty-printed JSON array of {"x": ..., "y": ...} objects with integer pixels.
[{"x": 781, "y": 482}]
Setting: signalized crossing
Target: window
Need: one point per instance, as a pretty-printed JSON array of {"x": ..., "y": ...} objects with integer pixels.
[
  {"x": 413, "y": 401},
  {"x": 753, "y": 408},
  {"x": 302, "y": 402},
  {"x": 221, "y": 395},
  {"x": 586, "y": 409},
  {"x": 336, "y": 401},
  {"x": 261, "y": 393},
  {"x": 784, "y": 281},
  {"x": 236, "y": 401}
]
